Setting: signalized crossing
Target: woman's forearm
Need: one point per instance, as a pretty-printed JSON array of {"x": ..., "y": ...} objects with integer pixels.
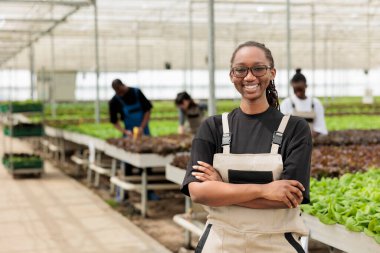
[
  {"x": 216, "y": 193},
  {"x": 263, "y": 204}
]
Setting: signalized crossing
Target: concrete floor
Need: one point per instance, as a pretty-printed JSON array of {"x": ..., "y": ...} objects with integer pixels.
[{"x": 55, "y": 214}]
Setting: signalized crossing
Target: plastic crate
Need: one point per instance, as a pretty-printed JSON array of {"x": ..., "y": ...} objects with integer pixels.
[
  {"x": 18, "y": 108},
  {"x": 26, "y": 163},
  {"x": 22, "y": 131}
]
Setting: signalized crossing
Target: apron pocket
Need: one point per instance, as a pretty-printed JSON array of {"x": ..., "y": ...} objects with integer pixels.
[
  {"x": 289, "y": 237},
  {"x": 203, "y": 239},
  {"x": 249, "y": 177}
]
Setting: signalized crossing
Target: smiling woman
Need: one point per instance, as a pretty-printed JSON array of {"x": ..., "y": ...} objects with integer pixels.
[
  {"x": 250, "y": 168},
  {"x": 241, "y": 73}
]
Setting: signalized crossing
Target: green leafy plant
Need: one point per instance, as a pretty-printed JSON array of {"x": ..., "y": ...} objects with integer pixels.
[
  {"x": 22, "y": 161},
  {"x": 352, "y": 200},
  {"x": 353, "y": 122}
]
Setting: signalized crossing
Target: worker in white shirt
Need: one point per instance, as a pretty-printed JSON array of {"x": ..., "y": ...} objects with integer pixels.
[{"x": 309, "y": 108}]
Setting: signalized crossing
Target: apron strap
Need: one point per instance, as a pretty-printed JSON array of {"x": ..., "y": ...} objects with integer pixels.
[
  {"x": 120, "y": 100},
  {"x": 226, "y": 139},
  {"x": 277, "y": 135},
  {"x": 136, "y": 90},
  {"x": 293, "y": 104}
]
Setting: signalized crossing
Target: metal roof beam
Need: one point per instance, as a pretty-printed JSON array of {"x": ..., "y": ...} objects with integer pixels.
[
  {"x": 21, "y": 31},
  {"x": 281, "y": 3},
  {"x": 5, "y": 47},
  {"x": 30, "y": 20},
  {"x": 50, "y": 2},
  {"x": 41, "y": 34}
]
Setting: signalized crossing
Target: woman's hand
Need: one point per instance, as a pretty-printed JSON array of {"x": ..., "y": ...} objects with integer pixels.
[
  {"x": 206, "y": 172},
  {"x": 286, "y": 191}
]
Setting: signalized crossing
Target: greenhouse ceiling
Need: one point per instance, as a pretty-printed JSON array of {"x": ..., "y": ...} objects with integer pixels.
[{"x": 146, "y": 34}]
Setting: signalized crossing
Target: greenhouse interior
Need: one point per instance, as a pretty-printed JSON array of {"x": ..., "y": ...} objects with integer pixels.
[{"x": 182, "y": 125}]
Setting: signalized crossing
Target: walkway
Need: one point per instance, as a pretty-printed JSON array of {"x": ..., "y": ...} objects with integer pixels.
[{"x": 56, "y": 214}]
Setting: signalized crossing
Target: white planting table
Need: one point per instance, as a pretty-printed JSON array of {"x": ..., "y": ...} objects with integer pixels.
[{"x": 142, "y": 161}]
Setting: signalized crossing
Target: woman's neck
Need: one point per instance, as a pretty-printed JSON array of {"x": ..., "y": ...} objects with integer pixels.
[{"x": 254, "y": 107}]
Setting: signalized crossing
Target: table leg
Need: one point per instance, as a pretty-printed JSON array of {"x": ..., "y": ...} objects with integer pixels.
[
  {"x": 98, "y": 158},
  {"x": 97, "y": 179},
  {"x": 144, "y": 192},
  {"x": 89, "y": 175},
  {"x": 61, "y": 143},
  {"x": 113, "y": 173}
]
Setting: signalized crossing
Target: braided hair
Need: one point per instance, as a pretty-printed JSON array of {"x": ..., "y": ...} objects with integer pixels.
[{"x": 271, "y": 92}]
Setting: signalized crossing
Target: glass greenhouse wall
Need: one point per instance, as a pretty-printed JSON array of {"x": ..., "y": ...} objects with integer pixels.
[{"x": 165, "y": 84}]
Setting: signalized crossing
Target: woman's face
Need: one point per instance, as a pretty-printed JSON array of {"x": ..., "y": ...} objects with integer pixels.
[
  {"x": 299, "y": 89},
  {"x": 252, "y": 87},
  {"x": 184, "y": 105}
]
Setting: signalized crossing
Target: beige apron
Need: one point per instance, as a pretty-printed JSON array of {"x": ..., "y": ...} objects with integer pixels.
[
  {"x": 234, "y": 229},
  {"x": 308, "y": 116},
  {"x": 195, "y": 116}
]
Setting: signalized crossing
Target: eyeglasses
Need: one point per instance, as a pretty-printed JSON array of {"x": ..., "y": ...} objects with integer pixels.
[{"x": 257, "y": 71}]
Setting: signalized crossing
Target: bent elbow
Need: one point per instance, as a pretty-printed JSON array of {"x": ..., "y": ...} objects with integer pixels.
[
  {"x": 196, "y": 197},
  {"x": 196, "y": 193},
  {"x": 201, "y": 194}
]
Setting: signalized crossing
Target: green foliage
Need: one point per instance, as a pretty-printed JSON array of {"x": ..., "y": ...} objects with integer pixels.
[
  {"x": 22, "y": 161},
  {"x": 21, "y": 106},
  {"x": 83, "y": 112},
  {"x": 102, "y": 130},
  {"x": 353, "y": 122},
  {"x": 112, "y": 203},
  {"x": 352, "y": 200},
  {"x": 107, "y": 130}
]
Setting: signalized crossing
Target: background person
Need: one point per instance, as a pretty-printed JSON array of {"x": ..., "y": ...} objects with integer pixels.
[
  {"x": 309, "y": 108},
  {"x": 131, "y": 106},
  {"x": 189, "y": 111}
]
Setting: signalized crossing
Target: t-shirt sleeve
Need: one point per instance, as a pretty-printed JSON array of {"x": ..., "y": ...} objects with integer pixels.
[
  {"x": 145, "y": 103},
  {"x": 181, "y": 117},
  {"x": 298, "y": 157},
  {"x": 319, "y": 124},
  {"x": 201, "y": 150},
  {"x": 286, "y": 106},
  {"x": 113, "y": 111}
]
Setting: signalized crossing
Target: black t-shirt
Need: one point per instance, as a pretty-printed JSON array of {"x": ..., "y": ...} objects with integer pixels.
[
  {"x": 252, "y": 134},
  {"x": 129, "y": 98}
]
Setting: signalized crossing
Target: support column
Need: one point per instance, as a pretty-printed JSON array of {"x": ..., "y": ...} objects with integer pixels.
[
  {"x": 313, "y": 50},
  {"x": 325, "y": 50},
  {"x": 32, "y": 71},
  {"x": 211, "y": 58},
  {"x": 52, "y": 77},
  {"x": 96, "y": 40},
  {"x": 191, "y": 62},
  {"x": 288, "y": 45}
]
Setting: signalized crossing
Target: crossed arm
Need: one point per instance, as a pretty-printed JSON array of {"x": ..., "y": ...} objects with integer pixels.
[{"x": 212, "y": 191}]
